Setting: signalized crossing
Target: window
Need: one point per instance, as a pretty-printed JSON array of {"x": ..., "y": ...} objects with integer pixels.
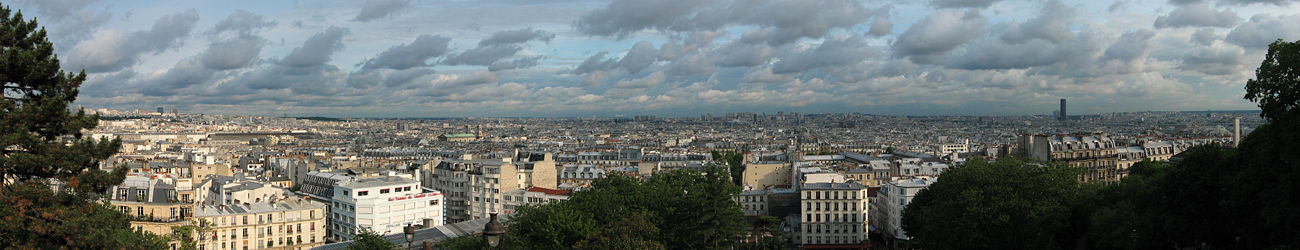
[
  {"x": 125, "y": 209},
  {"x": 383, "y": 191},
  {"x": 363, "y": 193},
  {"x": 139, "y": 211},
  {"x": 345, "y": 193}
]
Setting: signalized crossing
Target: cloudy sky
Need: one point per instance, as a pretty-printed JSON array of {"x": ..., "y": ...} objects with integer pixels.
[{"x": 433, "y": 58}]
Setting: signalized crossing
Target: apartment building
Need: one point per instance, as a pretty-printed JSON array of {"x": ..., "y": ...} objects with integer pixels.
[
  {"x": 833, "y": 213},
  {"x": 283, "y": 223},
  {"x": 887, "y": 211},
  {"x": 383, "y": 205}
]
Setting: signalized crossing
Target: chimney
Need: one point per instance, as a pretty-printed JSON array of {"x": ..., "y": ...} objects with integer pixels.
[{"x": 428, "y": 223}]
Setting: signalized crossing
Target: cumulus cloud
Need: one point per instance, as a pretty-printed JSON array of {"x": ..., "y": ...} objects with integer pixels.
[
  {"x": 414, "y": 54},
  {"x": 881, "y": 27},
  {"x": 1204, "y": 36},
  {"x": 831, "y": 53},
  {"x": 1215, "y": 60},
  {"x": 1052, "y": 24},
  {"x": 444, "y": 85},
  {"x": 649, "y": 81},
  {"x": 783, "y": 21},
  {"x": 526, "y": 62},
  {"x": 111, "y": 50},
  {"x": 596, "y": 62},
  {"x": 962, "y": 3},
  {"x": 317, "y": 49},
  {"x": 241, "y": 22},
  {"x": 641, "y": 56},
  {"x": 517, "y": 36},
  {"x": 482, "y": 56},
  {"x": 743, "y": 55},
  {"x": 931, "y": 38},
  {"x": 1263, "y": 29},
  {"x": 376, "y": 9},
  {"x": 1198, "y": 15},
  {"x": 232, "y": 53},
  {"x": 1130, "y": 46}
]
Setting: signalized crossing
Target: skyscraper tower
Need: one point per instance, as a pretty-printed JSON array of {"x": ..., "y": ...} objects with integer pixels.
[{"x": 1063, "y": 115}]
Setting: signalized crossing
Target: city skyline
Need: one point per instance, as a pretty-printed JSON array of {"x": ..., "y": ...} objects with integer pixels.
[{"x": 669, "y": 58}]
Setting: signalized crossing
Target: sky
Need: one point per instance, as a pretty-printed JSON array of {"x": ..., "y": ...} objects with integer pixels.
[{"x": 560, "y": 58}]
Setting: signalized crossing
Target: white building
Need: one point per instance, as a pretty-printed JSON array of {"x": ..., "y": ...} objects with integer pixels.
[
  {"x": 887, "y": 211},
  {"x": 384, "y": 205},
  {"x": 833, "y": 214}
]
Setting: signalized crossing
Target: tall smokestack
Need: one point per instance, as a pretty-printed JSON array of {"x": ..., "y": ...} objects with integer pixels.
[
  {"x": 1236, "y": 131},
  {"x": 1063, "y": 115}
]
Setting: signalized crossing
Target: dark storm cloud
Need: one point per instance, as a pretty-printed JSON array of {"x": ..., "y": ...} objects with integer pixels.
[
  {"x": 831, "y": 53},
  {"x": 415, "y": 54},
  {"x": 1198, "y": 15},
  {"x": 376, "y": 9},
  {"x": 1263, "y": 29},
  {"x": 242, "y": 22},
  {"x": 317, "y": 49},
  {"x": 517, "y": 36},
  {"x": 931, "y": 38},
  {"x": 112, "y": 51},
  {"x": 783, "y": 21},
  {"x": 962, "y": 3},
  {"x": 232, "y": 53},
  {"x": 108, "y": 84}
]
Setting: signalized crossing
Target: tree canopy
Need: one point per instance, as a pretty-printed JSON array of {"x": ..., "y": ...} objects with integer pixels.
[
  {"x": 1005, "y": 204},
  {"x": 41, "y": 142},
  {"x": 681, "y": 209}
]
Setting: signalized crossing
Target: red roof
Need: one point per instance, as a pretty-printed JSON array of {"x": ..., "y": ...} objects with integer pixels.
[{"x": 549, "y": 191}]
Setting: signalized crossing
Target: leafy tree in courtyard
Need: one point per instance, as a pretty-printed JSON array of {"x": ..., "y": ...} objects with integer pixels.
[
  {"x": 1006, "y": 204},
  {"x": 41, "y": 141},
  {"x": 681, "y": 209},
  {"x": 369, "y": 240}
]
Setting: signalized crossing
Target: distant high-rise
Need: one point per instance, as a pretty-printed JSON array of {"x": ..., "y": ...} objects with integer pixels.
[
  {"x": 1063, "y": 115},
  {"x": 160, "y": 110}
]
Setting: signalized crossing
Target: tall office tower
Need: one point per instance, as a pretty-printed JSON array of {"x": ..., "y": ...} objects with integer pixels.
[
  {"x": 1236, "y": 131},
  {"x": 1063, "y": 115}
]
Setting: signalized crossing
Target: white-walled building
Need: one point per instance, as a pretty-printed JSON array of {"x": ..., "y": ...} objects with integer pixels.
[
  {"x": 382, "y": 204},
  {"x": 887, "y": 211}
]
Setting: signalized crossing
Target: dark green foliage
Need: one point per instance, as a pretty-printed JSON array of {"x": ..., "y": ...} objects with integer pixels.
[
  {"x": 34, "y": 216},
  {"x": 766, "y": 233},
  {"x": 1277, "y": 83},
  {"x": 1005, "y": 204},
  {"x": 41, "y": 140},
  {"x": 369, "y": 240},
  {"x": 735, "y": 165},
  {"x": 1166, "y": 206},
  {"x": 680, "y": 209}
]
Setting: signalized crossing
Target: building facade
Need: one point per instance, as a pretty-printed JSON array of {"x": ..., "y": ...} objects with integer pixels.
[
  {"x": 383, "y": 205},
  {"x": 833, "y": 214}
]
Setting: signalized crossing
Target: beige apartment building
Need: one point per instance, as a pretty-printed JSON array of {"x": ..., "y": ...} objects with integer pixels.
[{"x": 293, "y": 223}]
